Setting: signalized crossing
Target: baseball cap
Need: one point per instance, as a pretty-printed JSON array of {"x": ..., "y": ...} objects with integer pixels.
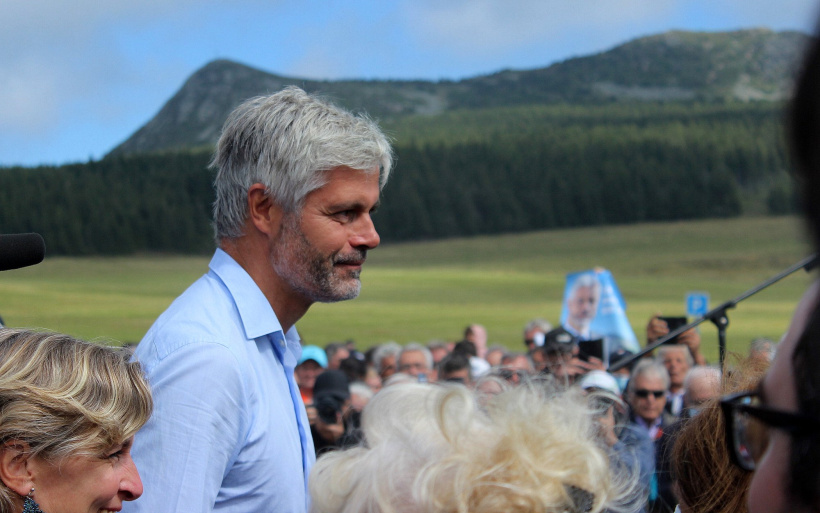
[
  {"x": 333, "y": 383},
  {"x": 558, "y": 340},
  {"x": 315, "y": 353},
  {"x": 601, "y": 380}
]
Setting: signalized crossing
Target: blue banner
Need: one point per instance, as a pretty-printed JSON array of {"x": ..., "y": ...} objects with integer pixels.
[{"x": 594, "y": 308}]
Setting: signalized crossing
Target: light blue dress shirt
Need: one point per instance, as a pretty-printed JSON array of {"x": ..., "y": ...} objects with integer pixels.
[{"x": 229, "y": 431}]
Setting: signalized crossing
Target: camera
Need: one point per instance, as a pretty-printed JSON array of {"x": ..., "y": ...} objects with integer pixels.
[{"x": 328, "y": 406}]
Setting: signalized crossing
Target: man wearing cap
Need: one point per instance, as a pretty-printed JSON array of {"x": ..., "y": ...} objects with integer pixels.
[
  {"x": 561, "y": 353},
  {"x": 557, "y": 349},
  {"x": 331, "y": 399},
  {"x": 297, "y": 180},
  {"x": 312, "y": 362}
]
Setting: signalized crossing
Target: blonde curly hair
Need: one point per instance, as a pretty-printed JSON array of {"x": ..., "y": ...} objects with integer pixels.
[{"x": 438, "y": 449}]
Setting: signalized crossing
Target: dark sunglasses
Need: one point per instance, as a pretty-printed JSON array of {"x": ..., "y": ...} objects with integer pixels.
[
  {"x": 747, "y": 424},
  {"x": 644, "y": 393},
  {"x": 509, "y": 374}
]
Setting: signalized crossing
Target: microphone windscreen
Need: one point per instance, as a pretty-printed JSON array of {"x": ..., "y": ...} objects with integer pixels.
[{"x": 21, "y": 250}]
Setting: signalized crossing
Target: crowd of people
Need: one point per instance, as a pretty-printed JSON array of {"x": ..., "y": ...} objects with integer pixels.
[
  {"x": 640, "y": 417},
  {"x": 220, "y": 408}
]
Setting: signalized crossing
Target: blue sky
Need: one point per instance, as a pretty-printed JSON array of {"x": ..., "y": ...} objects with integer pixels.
[{"x": 79, "y": 77}]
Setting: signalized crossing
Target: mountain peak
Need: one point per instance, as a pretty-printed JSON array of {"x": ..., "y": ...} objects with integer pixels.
[{"x": 742, "y": 65}]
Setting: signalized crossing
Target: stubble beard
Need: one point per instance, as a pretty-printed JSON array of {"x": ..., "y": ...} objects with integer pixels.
[{"x": 310, "y": 273}]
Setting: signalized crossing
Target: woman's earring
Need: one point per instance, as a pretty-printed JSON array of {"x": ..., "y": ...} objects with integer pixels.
[{"x": 29, "y": 506}]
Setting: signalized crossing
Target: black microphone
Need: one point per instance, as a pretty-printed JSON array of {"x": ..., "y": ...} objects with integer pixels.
[{"x": 21, "y": 250}]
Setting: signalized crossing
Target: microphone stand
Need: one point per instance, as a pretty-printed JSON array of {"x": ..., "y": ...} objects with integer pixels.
[{"x": 718, "y": 316}]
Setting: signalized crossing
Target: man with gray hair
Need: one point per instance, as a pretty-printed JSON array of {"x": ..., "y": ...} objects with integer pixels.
[
  {"x": 534, "y": 332},
  {"x": 646, "y": 395},
  {"x": 417, "y": 361},
  {"x": 384, "y": 359},
  {"x": 701, "y": 385},
  {"x": 762, "y": 349},
  {"x": 297, "y": 181},
  {"x": 582, "y": 306},
  {"x": 678, "y": 360}
]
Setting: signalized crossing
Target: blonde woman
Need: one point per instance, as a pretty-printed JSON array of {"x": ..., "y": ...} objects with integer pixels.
[
  {"x": 69, "y": 410},
  {"x": 441, "y": 449}
]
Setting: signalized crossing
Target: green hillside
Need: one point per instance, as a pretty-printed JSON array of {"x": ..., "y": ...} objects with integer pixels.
[
  {"x": 422, "y": 291},
  {"x": 467, "y": 173},
  {"x": 511, "y": 152}
]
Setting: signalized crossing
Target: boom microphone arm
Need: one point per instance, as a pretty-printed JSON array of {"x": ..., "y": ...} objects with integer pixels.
[{"x": 718, "y": 316}]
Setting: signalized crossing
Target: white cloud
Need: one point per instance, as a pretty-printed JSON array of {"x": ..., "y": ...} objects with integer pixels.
[{"x": 492, "y": 27}]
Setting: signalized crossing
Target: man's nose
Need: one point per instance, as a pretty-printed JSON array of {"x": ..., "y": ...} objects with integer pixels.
[{"x": 365, "y": 233}]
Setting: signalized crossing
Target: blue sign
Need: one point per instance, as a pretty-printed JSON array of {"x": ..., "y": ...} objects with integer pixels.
[{"x": 697, "y": 303}]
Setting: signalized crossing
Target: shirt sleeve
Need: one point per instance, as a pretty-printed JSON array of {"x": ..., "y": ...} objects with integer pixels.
[{"x": 199, "y": 421}]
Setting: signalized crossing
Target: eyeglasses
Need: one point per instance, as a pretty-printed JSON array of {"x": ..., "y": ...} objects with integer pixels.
[
  {"x": 412, "y": 366},
  {"x": 748, "y": 422},
  {"x": 644, "y": 393},
  {"x": 514, "y": 375}
]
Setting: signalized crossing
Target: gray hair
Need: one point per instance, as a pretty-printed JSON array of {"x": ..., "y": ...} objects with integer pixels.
[
  {"x": 667, "y": 348},
  {"x": 360, "y": 389},
  {"x": 383, "y": 351},
  {"x": 648, "y": 368},
  {"x": 587, "y": 280},
  {"x": 414, "y": 346},
  {"x": 702, "y": 372},
  {"x": 437, "y": 344},
  {"x": 542, "y": 324},
  {"x": 764, "y": 346},
  {"x": 287, "y": 142}
]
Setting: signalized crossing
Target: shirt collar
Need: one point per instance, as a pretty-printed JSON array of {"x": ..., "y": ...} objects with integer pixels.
[{"x": 258, "y": 318}]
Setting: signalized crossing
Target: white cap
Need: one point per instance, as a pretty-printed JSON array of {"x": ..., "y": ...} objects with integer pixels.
[{"x": 600, "y": 379}]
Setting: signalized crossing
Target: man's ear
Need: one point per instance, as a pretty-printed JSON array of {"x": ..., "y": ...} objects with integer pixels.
[
  {"x": 263, "y": 212},
  {"x": 14, "y": 469}
]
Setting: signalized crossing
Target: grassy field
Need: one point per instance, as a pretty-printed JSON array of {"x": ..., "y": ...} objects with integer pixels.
[{"x": 432, "y": 290}]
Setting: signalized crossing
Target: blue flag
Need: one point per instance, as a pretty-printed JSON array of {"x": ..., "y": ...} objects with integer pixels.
[{"x": 594, "y": 308}]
